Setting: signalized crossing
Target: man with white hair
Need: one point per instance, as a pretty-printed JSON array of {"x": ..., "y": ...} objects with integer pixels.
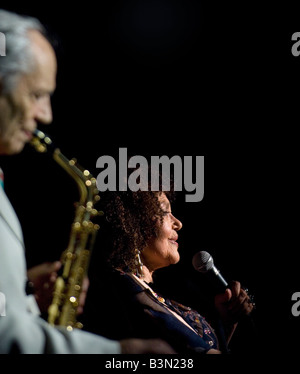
[{"x": 27, "y": 81}]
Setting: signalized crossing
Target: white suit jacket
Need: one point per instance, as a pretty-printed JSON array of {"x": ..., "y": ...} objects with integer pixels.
[{"x": 21, "y": 330}]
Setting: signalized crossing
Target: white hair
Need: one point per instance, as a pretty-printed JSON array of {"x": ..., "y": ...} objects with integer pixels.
[{"x": 19, "y": 58}]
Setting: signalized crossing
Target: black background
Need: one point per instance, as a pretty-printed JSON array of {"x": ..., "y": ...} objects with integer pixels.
[{"x": 181, "y": 78}]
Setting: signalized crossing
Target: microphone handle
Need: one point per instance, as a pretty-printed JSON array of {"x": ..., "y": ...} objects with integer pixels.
[
  {"x": 216, "y": 278},
  {"x": 219, "y": 276},
  {"x": 220, "y": 285}
]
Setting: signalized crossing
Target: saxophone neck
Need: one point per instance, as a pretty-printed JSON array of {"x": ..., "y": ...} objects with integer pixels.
[{"x": 85, "y": 181}]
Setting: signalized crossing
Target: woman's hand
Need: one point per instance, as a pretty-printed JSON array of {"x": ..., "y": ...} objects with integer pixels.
[{"x": 232, "y": 305}]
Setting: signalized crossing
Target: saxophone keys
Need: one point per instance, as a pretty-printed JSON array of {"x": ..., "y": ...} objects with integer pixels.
[
  {"x": 79, "y": 325},
  {"x": 47, "y": 140},
  {"x": 69, "y": 255},
  {"x": 85, "y": 223},
  {"x": 94, "y": 212},
  {"x": 94, "y": 182},
  {"x": 73, "y": 300},
  {"x": 76, "y": 226}
]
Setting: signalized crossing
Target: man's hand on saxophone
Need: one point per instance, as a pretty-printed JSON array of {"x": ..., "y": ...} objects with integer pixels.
[
  {"x": 82, "y": 297},
  {"x": 41, "y": 280}
]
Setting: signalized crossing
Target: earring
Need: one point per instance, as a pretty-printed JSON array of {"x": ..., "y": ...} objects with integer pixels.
[{"x": 138, "y": 263}]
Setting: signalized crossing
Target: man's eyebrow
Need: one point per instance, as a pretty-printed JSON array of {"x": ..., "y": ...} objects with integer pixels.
[{"x": 42, "y": 91}]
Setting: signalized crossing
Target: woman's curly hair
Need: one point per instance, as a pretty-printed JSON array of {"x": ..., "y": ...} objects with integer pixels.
[{"x": 131, "y": 218}]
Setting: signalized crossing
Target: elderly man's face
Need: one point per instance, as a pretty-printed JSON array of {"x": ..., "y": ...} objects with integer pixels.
[{"x": 29, "y": 103}]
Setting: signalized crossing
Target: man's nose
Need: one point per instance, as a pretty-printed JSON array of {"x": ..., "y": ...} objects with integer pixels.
[{"x": 43, "y": 110}]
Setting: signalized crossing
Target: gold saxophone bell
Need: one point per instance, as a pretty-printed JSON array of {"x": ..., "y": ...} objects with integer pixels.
[{"x": 75, "y": 259}]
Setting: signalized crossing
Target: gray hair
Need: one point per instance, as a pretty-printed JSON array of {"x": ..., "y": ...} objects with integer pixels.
[{"x": 18, "y": 59}]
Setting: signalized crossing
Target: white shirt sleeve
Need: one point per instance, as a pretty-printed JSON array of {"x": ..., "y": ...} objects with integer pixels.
[{"x": 21, "y": 330}]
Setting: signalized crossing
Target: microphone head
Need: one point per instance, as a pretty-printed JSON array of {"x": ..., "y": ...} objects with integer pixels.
[{"x": 202, "y": 262}]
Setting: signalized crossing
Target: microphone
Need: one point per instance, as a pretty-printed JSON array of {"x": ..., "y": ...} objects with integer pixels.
[{"x": 204, "y": 263}]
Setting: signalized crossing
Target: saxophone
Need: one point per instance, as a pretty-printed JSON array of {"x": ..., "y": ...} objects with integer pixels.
[{"x": 75, "y": 259}]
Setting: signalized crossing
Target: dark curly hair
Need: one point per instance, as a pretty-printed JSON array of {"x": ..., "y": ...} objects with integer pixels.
[{"x": 131, "y": 220}]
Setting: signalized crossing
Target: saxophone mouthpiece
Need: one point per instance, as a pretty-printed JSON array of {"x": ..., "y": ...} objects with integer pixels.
[{"x": 40, "y": 141}]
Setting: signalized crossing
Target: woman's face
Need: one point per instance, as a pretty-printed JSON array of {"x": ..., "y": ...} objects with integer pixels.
[{"x": 162, "y": 250}]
